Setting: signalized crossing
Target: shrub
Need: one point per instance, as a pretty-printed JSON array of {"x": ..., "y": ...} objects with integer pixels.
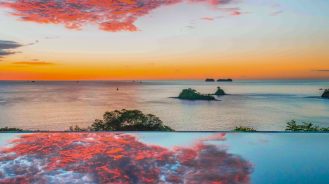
[
  {"x": 76, "y": 128},
  {"x": 304, "y": 127}
]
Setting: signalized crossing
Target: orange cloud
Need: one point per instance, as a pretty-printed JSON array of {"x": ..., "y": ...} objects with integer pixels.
[
  {"x": 33, "y": 63},
  {"x": 115, "y": 15}
]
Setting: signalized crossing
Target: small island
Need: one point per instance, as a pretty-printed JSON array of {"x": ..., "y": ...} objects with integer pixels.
[
  {"x": 192, "y": 94},
  {"x": 220, "y": 92},
  {"x": 210, "y": 80},
  {"x": 7, "y": 129},
  {"x": 244, "y": 129},
  {"x": 325, "y": 94},
  {"x": 224, "y": 80}
]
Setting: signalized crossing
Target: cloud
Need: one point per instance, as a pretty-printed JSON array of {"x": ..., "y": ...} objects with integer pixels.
[
  {"x": 232, "y": 11},
  {"x": 321, "y": 70},
  {"x": 208, "y": 18},
  {"x": 35, "y": 62},
  {"x": 276, "y": 13},
  {"x": 115, "y": 15},
  {"x": 6, "y": 47},
  {"x": 115, "y": 158},
  {"x": 51, "y": 37},
  {"x": 236, "y": 13}
]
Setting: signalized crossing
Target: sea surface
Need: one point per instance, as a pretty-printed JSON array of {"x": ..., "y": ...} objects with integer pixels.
[{"x": 263, "y": 105}]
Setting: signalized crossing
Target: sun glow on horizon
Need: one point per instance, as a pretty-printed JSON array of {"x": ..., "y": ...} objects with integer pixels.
[{"x": 139, "y": 40}]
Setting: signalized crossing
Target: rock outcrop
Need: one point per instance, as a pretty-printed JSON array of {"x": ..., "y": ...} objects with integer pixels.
[{"x": 192, "y": 94}]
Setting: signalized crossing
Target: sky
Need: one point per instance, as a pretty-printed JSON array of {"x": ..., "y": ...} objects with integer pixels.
[{"x": 163, "y": 39}]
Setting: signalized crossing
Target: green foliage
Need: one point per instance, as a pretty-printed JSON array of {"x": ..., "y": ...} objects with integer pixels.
[
  {"x": 76, "y": 128},
  {"x": 7, "y": 129},
  {"x": 220, "y": 91},
  {"x": 325, "y": 93},
  {"x": 304, "y": 127},
  {"x": 244, "y": 129},
  {"x": 126, "y": 120},
  {"x": 192, "y": 94}
]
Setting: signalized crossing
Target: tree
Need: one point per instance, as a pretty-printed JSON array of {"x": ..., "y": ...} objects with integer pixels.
[
  {"x": 304, "y": 127},
  {"x": 126, "y": 120}
]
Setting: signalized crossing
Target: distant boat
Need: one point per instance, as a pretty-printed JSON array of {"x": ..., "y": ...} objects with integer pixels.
[
  {"x": 210, "y": 80},
  {"x": 32, "y": 81},
  {"x": 224, "y": 80}
]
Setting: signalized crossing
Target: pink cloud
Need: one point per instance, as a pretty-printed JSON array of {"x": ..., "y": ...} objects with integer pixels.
[
  {"x": 114, "y": 15},
  {"x": 208, "y": 18}
]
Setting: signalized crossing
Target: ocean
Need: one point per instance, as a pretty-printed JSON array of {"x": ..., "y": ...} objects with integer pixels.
[{"x": 261, "y": 104}]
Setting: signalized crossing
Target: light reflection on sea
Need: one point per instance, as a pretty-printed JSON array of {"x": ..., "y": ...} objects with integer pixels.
[{"x": 264, "y": 105}]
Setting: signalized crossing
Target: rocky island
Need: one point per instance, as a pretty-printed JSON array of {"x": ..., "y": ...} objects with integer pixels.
[
  {"x": 192, "y": 94},
  {"x": 210, "y": 80},
  {"x": 325, "y": 94},
  {"x": 220, "y": 92},
  {"x": 224, "y": 80}
]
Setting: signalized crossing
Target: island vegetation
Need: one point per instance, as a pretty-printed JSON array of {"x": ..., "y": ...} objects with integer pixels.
[
  {"x": 210, "y": 80},
  {"x": 126, "y": 120},
  {"x": 225, "y": 80},
  {"x": 192, "y": 94},
  {"x": 325, "y": 94},
  {"x": 292, "y": 126},
  {"x": 7, "y": 129},
  {"x": 135, "y": 120},
  {"x": 219, "y": 92},
  {"x": 244, "y": 129}
]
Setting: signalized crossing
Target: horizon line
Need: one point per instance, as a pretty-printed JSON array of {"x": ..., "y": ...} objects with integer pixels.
[{"x": 138, "y": 80}]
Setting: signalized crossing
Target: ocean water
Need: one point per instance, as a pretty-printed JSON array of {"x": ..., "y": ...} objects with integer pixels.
[{"x": 263, "y": 105}]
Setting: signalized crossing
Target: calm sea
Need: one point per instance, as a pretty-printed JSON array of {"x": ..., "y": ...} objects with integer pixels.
[{"x": 263, "y": 105}]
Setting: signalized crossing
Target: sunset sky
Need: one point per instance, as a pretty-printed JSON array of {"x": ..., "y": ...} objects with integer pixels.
[{"x": 163, "y": 39}]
